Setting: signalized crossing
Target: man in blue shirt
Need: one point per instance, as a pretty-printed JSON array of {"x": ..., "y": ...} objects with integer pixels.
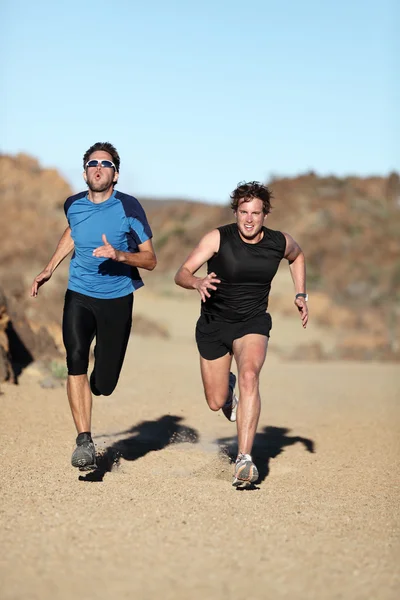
[{"x": 110, "y": 236}]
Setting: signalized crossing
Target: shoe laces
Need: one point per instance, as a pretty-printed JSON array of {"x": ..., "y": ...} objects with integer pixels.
[
  {"x": 87, "y": 444},
  {"x": 83, "y": 439}
]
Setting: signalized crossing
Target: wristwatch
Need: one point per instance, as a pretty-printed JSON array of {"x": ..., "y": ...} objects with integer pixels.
[{"x": 305, "y": 296}]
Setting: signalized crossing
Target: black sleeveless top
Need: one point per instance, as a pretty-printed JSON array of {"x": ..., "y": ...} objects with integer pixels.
[{"x": 246, "y": 272}]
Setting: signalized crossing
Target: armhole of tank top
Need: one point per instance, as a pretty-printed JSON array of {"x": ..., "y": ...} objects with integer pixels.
[
  {"x": 283, "y": 237},
  {"x": 220, "y": 240}
]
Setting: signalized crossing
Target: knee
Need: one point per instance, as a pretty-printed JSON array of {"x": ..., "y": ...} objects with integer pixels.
[
  {"x": 102, "y": 388},
  {"x": 248, "y": 380},
  {"x": 105, "y": 389},
  {"x": 213, "y": 405},
  {"x": 103, "y": 381},
  {"x": 214, "y": 401},
  {"x": 77, "y": 364}
]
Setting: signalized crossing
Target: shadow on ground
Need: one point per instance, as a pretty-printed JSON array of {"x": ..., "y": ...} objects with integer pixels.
[
  {"x": 21, "y": 357},
  {"x": 147, "y": 436},
  {"x": 267, "y": 444}
]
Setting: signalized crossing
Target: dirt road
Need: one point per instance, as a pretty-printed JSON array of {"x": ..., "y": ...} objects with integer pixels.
[{"x": 160, "y": 519}]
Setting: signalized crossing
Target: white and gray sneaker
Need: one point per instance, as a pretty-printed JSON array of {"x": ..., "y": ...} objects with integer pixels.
[
  {"x": 245, "y": 471},
  {"x": 84, "y": 455},
  {"x": 230, "y": 407}
]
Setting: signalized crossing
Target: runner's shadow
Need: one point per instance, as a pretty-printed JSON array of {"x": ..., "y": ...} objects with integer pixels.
[
  {"x": 147, "y": 436},
  {"x": 267, "y": 444}
]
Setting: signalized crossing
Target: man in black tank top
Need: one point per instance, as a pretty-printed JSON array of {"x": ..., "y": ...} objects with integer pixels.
[{"x": 242, "y": 259}]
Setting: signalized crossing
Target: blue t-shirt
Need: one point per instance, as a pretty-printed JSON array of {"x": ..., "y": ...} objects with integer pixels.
[{"x": 122, "y": 219}]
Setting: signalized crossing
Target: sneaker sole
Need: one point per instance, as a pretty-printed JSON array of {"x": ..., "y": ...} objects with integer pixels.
[
  {"x": 88, "y": 467},
  {"x": 248, "y": 475},
  {"x": 238, "y": 483},
  {"x": 83, "y": 463}
]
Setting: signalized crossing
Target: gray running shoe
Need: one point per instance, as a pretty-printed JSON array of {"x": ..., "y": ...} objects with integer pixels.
[
  {"x": 230, "y": 407},
  {"x": 84, "y": 455},
  {"x": 245, "y": 471}
]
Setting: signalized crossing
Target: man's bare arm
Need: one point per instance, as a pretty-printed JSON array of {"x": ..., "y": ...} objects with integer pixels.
[
  {"x": 144, "y": 259},
  {"x": 297, "y": 265},
  {"x": 64, "y": 247},
  {"x": 185, "y": 277}
]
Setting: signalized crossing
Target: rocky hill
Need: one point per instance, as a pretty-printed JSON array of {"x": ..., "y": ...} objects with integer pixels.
[
  {"x": 349, "y": 229},
  {"x": 30, "y": 225},
  {"x": 31, "y": 217}
]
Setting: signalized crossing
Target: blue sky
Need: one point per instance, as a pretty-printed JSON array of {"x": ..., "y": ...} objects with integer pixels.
[{"x": 197, "y": 96}]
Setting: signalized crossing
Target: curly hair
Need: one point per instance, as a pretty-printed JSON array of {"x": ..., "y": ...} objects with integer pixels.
[
  {"x": 250, "y": 190},
  {"x": 105, "y": 147}
]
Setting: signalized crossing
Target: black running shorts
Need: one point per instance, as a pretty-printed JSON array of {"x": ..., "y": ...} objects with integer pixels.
[{"x": 215, "y": 338}]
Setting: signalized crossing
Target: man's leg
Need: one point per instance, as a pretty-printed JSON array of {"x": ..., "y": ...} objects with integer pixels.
[
  {"x": 215, "y": 375},
  {"x": 249, "y": 352},
  {"x": 79, "y": 327},
  {"x": 114, "y": 322},
  {"x": 80, "y": 401}
]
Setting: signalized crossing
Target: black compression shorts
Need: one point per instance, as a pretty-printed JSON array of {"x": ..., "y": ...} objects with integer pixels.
[
  {"x": 215, "y": 338},
  {"x": 110, "y": 321}
]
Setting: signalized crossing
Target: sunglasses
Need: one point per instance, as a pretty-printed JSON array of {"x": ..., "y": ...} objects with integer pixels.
[{"x": 106, "y": 164}]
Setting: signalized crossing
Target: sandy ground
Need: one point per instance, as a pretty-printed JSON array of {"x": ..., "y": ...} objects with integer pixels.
[{"x": 160, "y": 519}]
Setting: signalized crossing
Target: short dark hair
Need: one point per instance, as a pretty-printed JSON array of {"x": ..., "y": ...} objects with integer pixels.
[
  {"x": 105, "y": 147},
  {"x": 250, "y": 190}
]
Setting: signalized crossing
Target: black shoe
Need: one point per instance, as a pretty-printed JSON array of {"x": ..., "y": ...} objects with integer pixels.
[{"x": 84, "y": 455}]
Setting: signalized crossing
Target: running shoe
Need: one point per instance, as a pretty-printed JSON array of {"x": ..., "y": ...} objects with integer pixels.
[
  {"x": 245, "y": 471},
  {"x": 84, "y": 455},
  {"x": 230, "y": 407}
]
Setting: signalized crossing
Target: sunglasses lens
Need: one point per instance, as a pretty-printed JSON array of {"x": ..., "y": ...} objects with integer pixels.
[{"x": 106, "y": 164}]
